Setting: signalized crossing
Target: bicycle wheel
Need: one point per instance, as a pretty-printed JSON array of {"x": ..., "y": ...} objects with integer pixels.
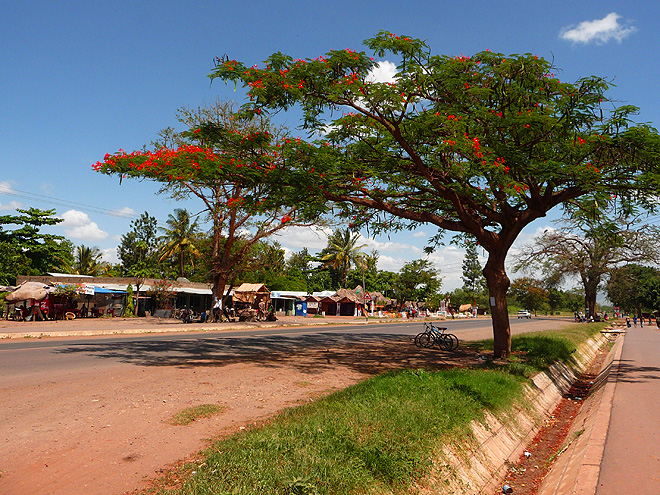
[
  {"x": 444, "y": 342},
  {"x": 426, "y": 340},
  {"x": 417, "y": 338},
  {"x": 454, "y": 340}
]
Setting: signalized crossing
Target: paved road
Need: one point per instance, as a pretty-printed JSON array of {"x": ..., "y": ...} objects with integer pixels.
[
  {"x": 58, "y": 354},
  {"x": 631, "y": 460}
]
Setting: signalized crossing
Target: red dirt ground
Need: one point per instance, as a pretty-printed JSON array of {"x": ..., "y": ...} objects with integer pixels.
[{"x": 106, "y": 430}]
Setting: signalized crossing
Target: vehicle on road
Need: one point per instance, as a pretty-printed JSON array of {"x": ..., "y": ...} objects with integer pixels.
[{"x": 523, "y": 313}]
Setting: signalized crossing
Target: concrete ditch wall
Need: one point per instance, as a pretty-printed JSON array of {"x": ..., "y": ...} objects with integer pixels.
[{"x": 479, "y": 466}]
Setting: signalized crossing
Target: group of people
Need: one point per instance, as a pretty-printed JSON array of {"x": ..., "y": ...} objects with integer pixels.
[
  {"x": 630, "y": 323},
  {"x": 581, "y": 318}
]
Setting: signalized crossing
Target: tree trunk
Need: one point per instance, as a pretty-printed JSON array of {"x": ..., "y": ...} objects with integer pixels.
[
  {"x": 498, "y": 285},
  {"x": 590, "y": 296}
]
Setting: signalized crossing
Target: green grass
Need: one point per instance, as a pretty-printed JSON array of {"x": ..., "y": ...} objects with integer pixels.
[
  {"x": 190, "y": 414},
  {"x": 536, "y": 351},
  {"x": 379, "y": 436}
]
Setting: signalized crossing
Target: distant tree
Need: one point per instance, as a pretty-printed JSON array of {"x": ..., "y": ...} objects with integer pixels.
[
  {"x": 180, "y": 239},
  {"x": 589, "y": 250},
  {"x": 530, "y": 293},
  {"x": 342, "y": 252},
  {"x": 633, "y": 286},
  {"x": 88, "y": 261},
  {"x": 556, "y": 299},
  {"x": 365, "y": 273},
  {"x": 28, "y": 251},
  {"x": 574, "y": 300},
  {"x": 473, "y": 277},
  {"x": 13, "y": 262},
  {"x": 461, "y": 296},
  {"x": 417, "y": 280},
  {"x": 138, "y": 248}
]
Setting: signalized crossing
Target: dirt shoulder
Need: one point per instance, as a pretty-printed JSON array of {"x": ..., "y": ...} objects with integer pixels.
[{"x": 105, "y": 429}]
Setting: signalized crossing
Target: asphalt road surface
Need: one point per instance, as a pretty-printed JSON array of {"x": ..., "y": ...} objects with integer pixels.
[{"x": 60, "y": 353}]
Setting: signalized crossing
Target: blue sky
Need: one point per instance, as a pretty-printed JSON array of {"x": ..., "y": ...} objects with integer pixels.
[{"x": 80, "y": 79}]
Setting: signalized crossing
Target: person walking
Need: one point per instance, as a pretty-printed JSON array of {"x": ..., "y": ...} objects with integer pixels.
[
  {"x": 635, "y": 321},
  {"x": 628, "y": 321}
]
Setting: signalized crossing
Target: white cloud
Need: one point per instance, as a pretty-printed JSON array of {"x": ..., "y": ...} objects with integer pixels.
[
  {"x": 300, "y": 237},
  {"x": 12, "y": 205},
  {"x": 6, "y": 188},
  {"x": 390, "y": 263},
  {"x": 109, "y": 255},
  {"x": 78, "y": 225},
  {"x": 389, "y": 246},
  {"x": 419, "y": 233},
  {"x": 599, "y": 31},
  {"x": 383, "y": 72},
  {"x": 124, "y": 212}
]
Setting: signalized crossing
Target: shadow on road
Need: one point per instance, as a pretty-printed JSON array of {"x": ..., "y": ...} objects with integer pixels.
[
  {"x": 365, "y": 353},
  {"x": 630, "y": 373}
]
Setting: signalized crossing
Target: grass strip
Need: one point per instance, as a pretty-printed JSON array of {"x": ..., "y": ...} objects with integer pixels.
[
  {"x": 378, "y": 436},
  {"x": 190, "y": 414}
]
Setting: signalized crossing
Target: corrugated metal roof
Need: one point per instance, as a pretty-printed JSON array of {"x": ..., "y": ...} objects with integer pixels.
[{"x": 192, "y": 290}]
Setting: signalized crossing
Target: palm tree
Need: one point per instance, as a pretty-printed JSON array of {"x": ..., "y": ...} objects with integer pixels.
[
  {"x": 342, "y": 252},
  {"x": 180, "y": 238},
  {"x": 88, "y": 261}
]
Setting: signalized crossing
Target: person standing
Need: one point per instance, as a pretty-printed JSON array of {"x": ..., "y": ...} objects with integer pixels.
[{"x": 635, "y": 321}]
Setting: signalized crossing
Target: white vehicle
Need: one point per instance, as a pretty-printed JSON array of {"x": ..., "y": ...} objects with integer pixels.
[{"x": 523, "y": 313}]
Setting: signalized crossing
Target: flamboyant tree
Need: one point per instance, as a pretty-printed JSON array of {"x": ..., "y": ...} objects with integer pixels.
[
  {"x": 482, "y": 145},
  {"x": 233, "y": 166}
]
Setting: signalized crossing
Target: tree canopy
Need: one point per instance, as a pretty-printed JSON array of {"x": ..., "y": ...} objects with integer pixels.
[
  {"x": 343, "y": 252},
  {"x": 589, "y": 250},
  {"x": 138, "y": 248},
  {"x": 27, "y": 250},
  {"x": 481, "y": 144},
  {"x": 233, "y": 166},
  {"x": 181, "y": 237}
]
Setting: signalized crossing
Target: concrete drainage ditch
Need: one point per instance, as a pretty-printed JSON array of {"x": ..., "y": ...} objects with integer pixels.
[{"x": 480, "y": 465}]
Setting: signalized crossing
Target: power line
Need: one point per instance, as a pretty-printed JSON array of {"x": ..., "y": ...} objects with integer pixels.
[{"x": 66, "y": 203}]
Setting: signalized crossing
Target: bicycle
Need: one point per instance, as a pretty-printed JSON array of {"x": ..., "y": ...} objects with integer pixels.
[{"x": 433, "y": 335}]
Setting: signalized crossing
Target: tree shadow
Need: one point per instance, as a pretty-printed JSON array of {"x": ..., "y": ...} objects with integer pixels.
[
  {"x": 313, "y": 353},
  {"x": 630, "y": 373}
]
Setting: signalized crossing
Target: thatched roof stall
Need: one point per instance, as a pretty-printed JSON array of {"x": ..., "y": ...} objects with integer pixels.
[
  {"x": 30, "y": 290},
  {"x": 380, "y": 301},
  {"x": 328, "y": 305},
  {"x": 251, "y": 294},
  {"x": 313, "y": 303},
  {"x": 348, "y": 300}
]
